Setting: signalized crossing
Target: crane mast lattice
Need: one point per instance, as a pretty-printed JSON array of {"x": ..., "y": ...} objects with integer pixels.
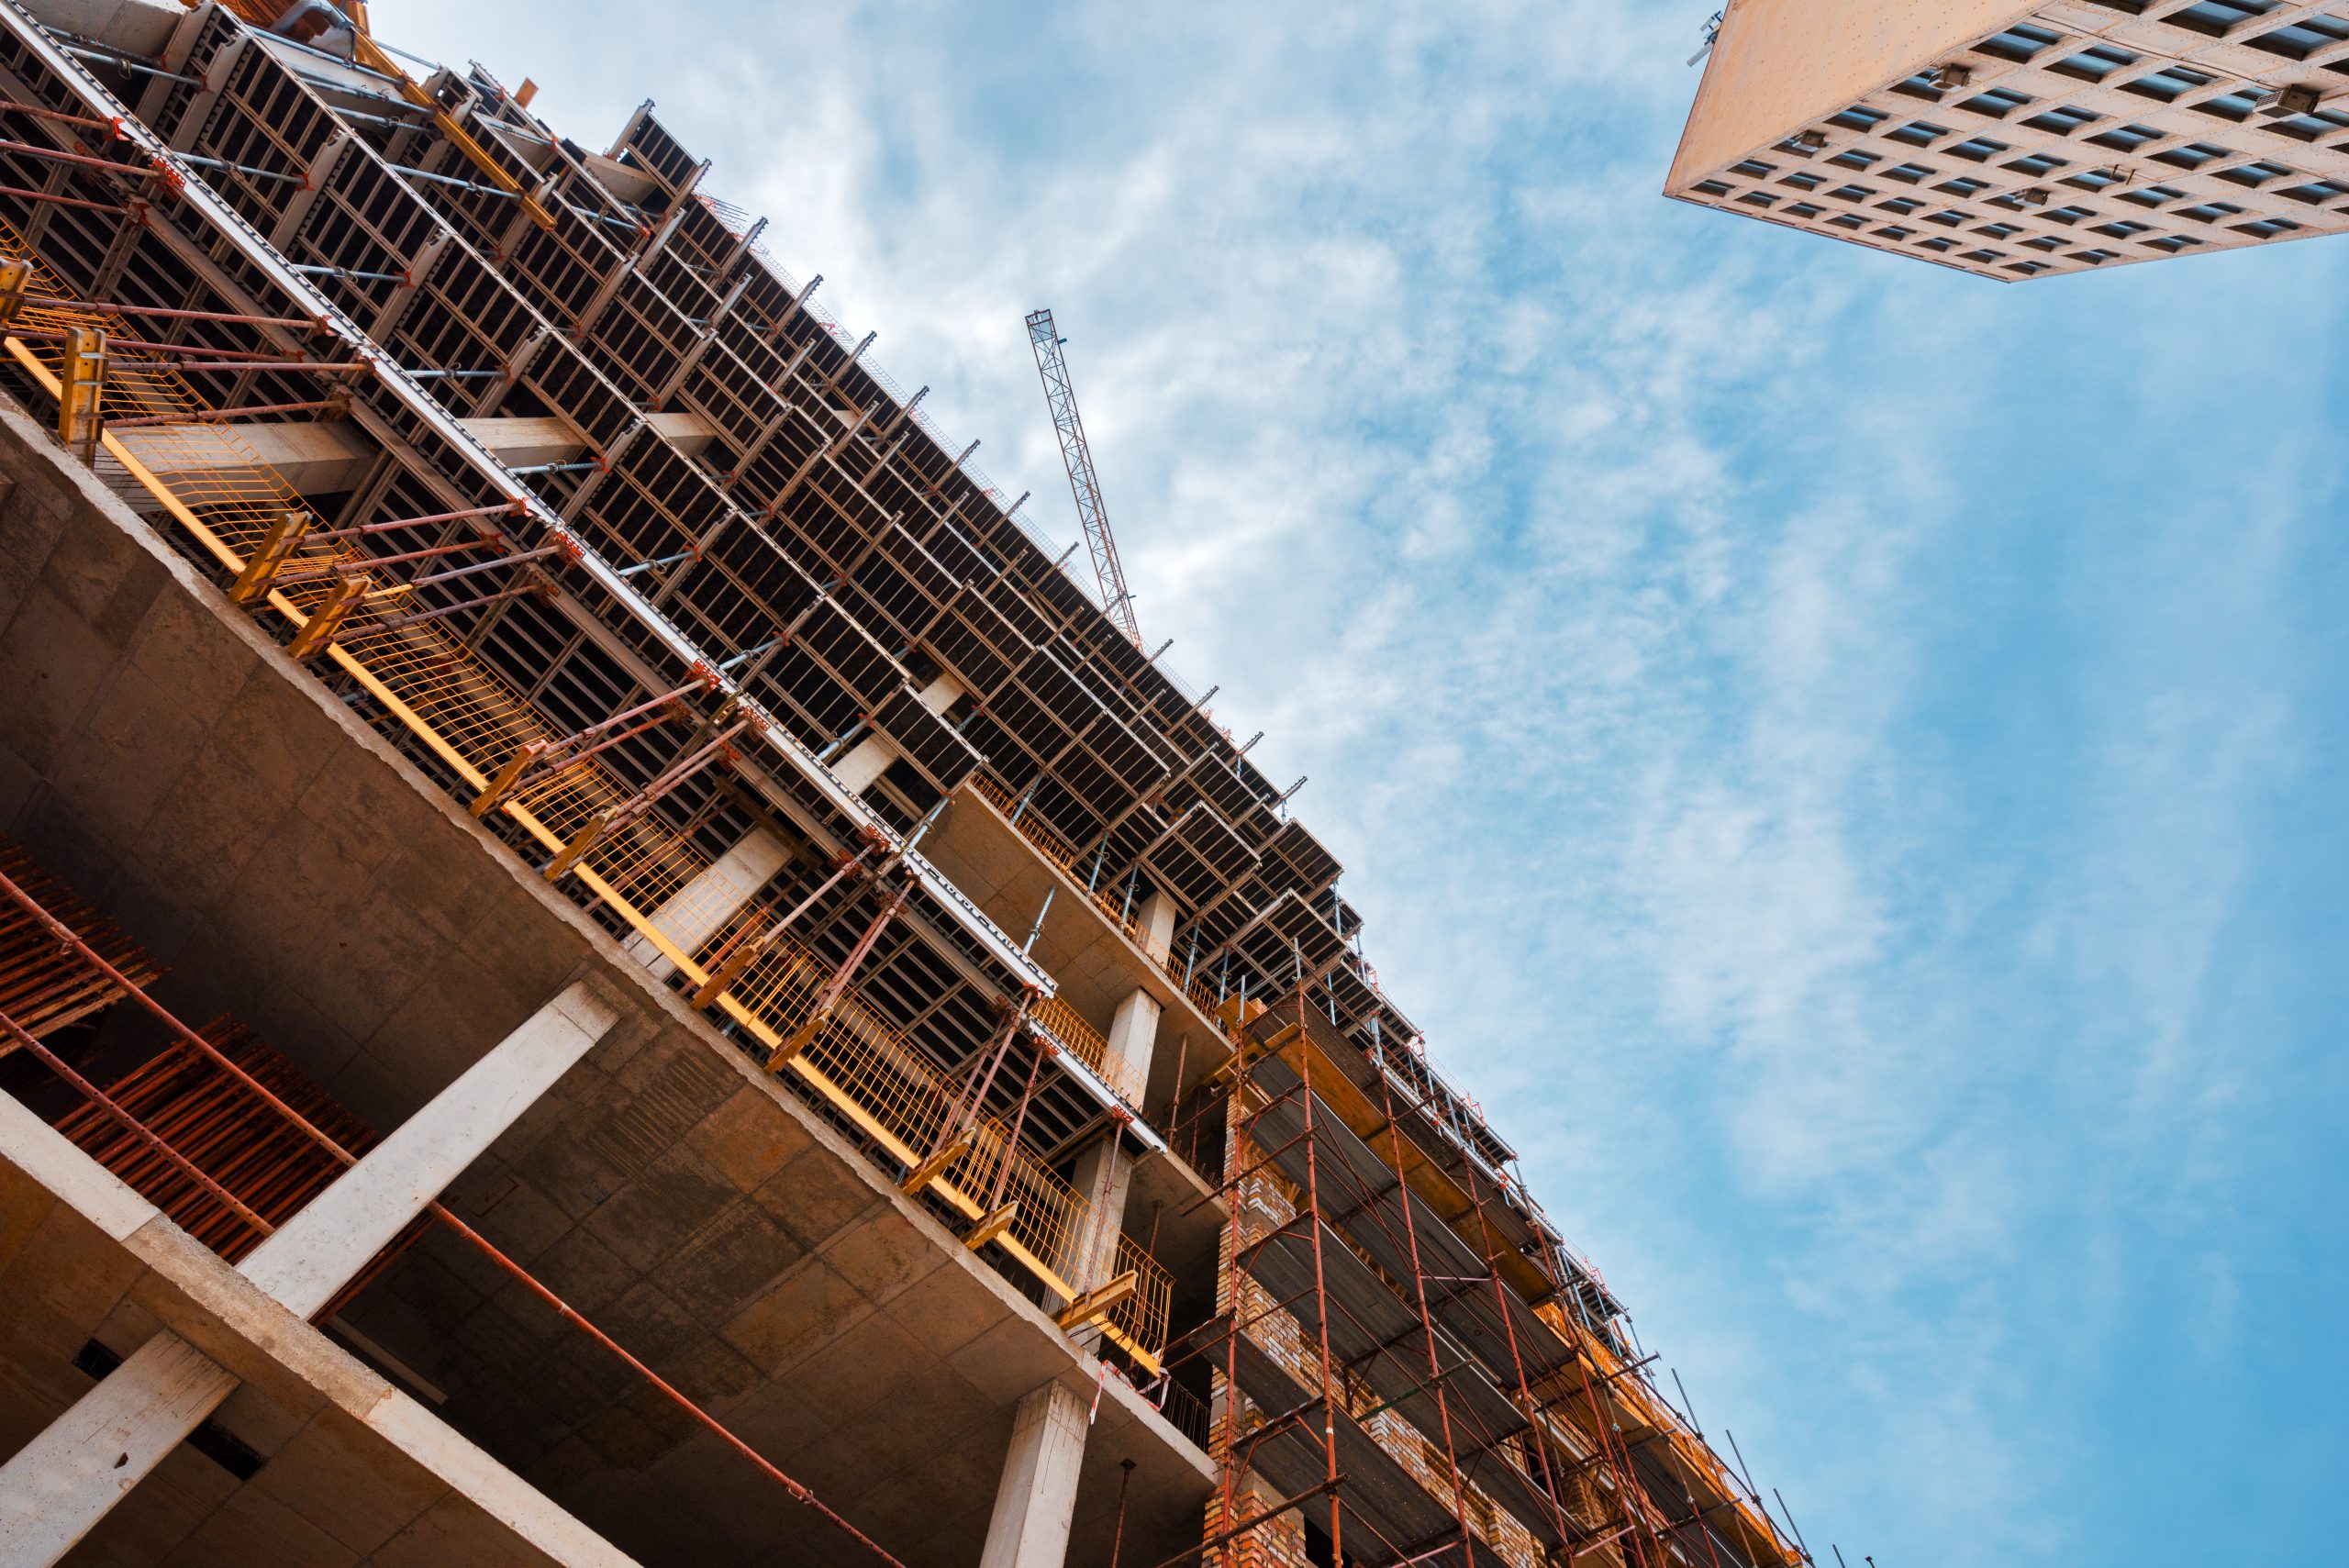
[{"x": 1091, "y": 515}]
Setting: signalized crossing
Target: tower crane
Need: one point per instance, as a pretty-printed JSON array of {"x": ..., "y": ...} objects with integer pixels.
[{"x": 1052, "y": 366}]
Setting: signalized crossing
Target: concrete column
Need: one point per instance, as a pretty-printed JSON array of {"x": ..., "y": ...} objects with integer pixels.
[
  {"x": 323, "y": 1248},
  {"x": 1156, "y": 919},
  {"x": 1037, "y": 1497},
  {"x": 867, "y": 760},
  {"x": 58, "y": 1487},
  {"x": 1133, "y": 1037},
  {"x": 699, "y": 908},
  {"x": 60, "y": 1484},
  {"x": 870, "y": 757},
  {"x": 1102, "y": 1175}
]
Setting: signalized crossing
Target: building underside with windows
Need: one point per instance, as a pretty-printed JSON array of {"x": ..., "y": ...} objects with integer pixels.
[
  {"x": 2020, "y": 140},
  {"x": 602, "y": 959}
]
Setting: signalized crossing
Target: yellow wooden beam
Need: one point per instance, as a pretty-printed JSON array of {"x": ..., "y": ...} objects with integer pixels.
[
  {"x": 1099, "y": 1303},
  {"x": 993, "y": 1226},
  {"x": 930, "y": 1170}
]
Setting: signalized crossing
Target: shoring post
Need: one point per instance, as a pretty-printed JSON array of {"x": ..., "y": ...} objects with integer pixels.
[
  {"x": 736, "y": 958},
  {"x": 559, "y": 756},
  {"x": 1320, "y": 1281},
  {"x": 604, "y": 824},
  {"x": 1418, "y": 1290},
  {"x": 1536, "y": 1418},
  {"x": 995, "y": 1206}
]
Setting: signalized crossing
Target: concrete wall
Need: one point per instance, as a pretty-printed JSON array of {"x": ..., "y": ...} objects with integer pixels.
[{"x": 1780, "y": 64}]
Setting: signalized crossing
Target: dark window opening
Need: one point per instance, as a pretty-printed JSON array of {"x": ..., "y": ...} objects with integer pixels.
[
  {"x": 2300, "y": 39},
  {"x": 2096, "y": 64},
  {"x": 1981, "y": 149},
  {"x": 1916, "y": 133},
  {"x": 2255, "y": 174},
  {"x": 1995, "y": 104},
  {"x": 1859, "y": 116},
  {"x": 2217, "y": 18},
  {"x": 2236, "y": 105},
  {"x": 2019, "y": 43},
  {"x": 2126, "y": 137},
  {"x": 2193, "y": 155},
  {"x": 2169, "y": 83}
]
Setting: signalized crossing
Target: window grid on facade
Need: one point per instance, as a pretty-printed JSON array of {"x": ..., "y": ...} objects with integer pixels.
[{"x": 2115, "y": 102}]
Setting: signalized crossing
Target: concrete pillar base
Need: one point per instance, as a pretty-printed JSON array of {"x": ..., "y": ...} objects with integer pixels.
[{"x": 1037, "y": 1498}]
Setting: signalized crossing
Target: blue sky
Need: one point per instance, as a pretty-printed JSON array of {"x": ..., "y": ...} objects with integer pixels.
[{"x": 1843, "y": 758}]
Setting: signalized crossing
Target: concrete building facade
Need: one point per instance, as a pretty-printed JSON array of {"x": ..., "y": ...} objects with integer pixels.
[
  {"x": 603, "y": 961},
  {"x": 2016, "y": 142}
]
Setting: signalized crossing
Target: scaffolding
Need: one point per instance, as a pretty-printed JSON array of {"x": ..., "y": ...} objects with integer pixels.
[
  {"x": 472, "y": 720},
  {"x": 1377, "y": 1366}
]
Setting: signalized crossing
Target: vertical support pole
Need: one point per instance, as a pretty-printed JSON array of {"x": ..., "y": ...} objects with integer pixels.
[
  {"x": 828, "y": 1000},
  {"x": 1320, "y": 1281}
]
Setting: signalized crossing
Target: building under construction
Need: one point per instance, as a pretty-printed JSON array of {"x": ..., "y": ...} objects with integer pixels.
[{"x": 603, "y": 959}]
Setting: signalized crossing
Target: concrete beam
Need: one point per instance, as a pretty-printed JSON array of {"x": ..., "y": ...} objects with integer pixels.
[
  {"x": 61, "y": 1483},
  {"x": 352, "y": 1465},
  {"x": 331, "y": 456},
  {"x": 57, "y": 1487},
  {"x": 873, "y": 756},
  {"x": 1037, "y": 1496},
  {"x": 323, "y": 1248}
]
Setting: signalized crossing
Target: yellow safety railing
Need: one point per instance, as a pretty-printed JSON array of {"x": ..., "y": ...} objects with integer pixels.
[
  {"x": 904, "y": 1101},
  {"x": 1068, "y": 1027},
  {"x": 228, "y": 499}
]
